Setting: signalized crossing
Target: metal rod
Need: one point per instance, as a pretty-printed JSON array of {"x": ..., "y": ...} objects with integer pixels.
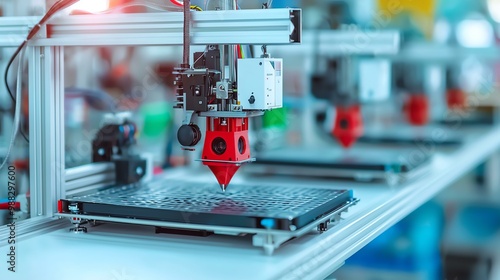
[
  {"x": 231, "y": 58},
  {"x": 186, "y": 41},
  {"x": 232, "y": 63},
  {"x": 222, "y": 49}
]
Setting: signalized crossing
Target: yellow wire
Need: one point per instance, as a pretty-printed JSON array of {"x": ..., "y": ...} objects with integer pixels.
[{"x": 194, "y": 7}]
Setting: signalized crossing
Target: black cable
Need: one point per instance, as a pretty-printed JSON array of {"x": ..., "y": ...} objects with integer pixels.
[
  {"x": 186, "y": 41},
  {"x": 6, "y": 74},
  {"x": 24, "y": 135},
  {"x": 61, "y": 4},
  {"x": 55, "y": 8}
]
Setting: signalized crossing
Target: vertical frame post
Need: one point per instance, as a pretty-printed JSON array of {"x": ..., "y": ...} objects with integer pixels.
[{"x": 46, "y": 101}]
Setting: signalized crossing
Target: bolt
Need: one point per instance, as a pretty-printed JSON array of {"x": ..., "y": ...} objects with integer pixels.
[{"x": 200, "y": 102}]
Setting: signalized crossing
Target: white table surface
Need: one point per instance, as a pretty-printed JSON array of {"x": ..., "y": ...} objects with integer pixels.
[{"x": 134, "y": 252}]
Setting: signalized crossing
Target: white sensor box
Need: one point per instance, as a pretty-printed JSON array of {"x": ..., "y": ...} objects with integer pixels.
[{"x": 260, "y": 83}]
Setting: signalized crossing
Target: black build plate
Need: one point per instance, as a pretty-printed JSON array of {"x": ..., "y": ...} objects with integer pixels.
[
  {"x": 355, "y": 159},
  {"x": 283, "y": 207},
  {"x": 404, "y": 135}
]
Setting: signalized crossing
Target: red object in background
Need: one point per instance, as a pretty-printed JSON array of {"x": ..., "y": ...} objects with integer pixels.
[
  {"x": 157, "y": 170},
  {"x": 348, "y": 125},
  {"x": 456, "y": 98},
  {"x": 22, "y": 164},
  {"x": 5, "y": 206},
  {"x": 120, "y": 71},
  {"x": 177, "y": 3},
  {"x": 416, "y": 109},
  {"x": 226, "y": 147}
]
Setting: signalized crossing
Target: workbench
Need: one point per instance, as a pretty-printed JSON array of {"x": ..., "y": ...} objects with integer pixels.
[{"x": 116, "y": 251}]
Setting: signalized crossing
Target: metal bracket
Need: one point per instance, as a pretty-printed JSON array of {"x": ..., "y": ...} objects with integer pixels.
[
  {"x": 224, "y": 161},
  {"x": 232, "y": 114},
  {"x": 236, "y": 108},
  {"x": 269, "y": 242}
]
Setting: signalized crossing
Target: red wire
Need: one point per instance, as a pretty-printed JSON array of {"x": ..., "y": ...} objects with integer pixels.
[
  {"x": 177, "y": 3},
  {"x": 5, "y": 206},
  {"x": 240, "y": 53}
]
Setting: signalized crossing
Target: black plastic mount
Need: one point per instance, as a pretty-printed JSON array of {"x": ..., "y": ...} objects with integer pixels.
[
  {"x": 109, "y": 145},
  {"x": 194, "y": 86}
]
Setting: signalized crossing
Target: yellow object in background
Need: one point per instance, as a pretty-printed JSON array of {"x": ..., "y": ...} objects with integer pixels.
[
  {"x": 418, "y": 14},
  {"x": 420, "y": 7}
]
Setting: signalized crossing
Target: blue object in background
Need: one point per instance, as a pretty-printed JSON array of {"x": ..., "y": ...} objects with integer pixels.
[
  {"x": 411, "y": 246},
  {"x": 481, "y": 222},
  {"x": 455, "y": 11},
  {"x": 285, "y": 4}
]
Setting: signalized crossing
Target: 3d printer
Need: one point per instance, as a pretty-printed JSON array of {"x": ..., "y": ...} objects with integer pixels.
[{"x": 219, "y": 86}]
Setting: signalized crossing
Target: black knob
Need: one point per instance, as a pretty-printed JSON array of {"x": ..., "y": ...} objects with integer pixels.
[
  {"x": 189, "y": 135},
  {"x": 251, "y": 99}
]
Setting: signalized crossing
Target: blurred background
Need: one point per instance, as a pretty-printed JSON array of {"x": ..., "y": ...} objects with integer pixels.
[{"x": 398, "y": 70}]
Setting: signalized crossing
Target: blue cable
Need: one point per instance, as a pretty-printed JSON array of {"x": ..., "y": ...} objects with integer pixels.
[{"x": 131, "y": 133}]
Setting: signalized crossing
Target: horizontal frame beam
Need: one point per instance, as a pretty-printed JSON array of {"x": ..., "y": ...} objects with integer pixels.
[
  {"x": 346, "y": 42},
  {"x": 13, "y": 30},
  {"x": 270, "y": 26}
]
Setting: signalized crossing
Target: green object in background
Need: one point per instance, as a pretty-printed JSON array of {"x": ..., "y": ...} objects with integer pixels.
[
  {"x": 157, "y": 118},
  {"x": 276, "y": 118}
]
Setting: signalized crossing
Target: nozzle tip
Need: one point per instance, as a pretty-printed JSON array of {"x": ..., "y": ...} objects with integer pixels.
[{"x": 223, "y": 187}]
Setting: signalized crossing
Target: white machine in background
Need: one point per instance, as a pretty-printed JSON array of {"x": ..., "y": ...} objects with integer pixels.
[
  {"x": 344, "y": 72},
  {"x": 346, "y": 66}
]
